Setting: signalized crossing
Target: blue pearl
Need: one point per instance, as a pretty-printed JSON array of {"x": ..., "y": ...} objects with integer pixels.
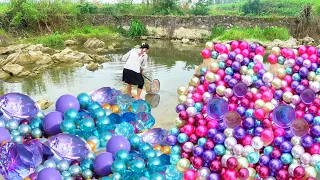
[
  {"x": 135, "y": 141},
  {"x": 254, "y": 78},
  {"x": 286, "y": 158},
  {"x": 174, "y": 159},
  {"x": 91, "y": 156},
  {"x": 40, "y": 115},
  {"x": 39, "y": 168},
  {"x": 92, "y": 106},
  {"x": 123, "y": 155},
  {"x": 198, "y": 106},
  {"x": 36, "y": 123},
  {"x": 104, "y": 123},
  {"x": 175, "y": 150},
  {"x": 289, "y": 71},
  {"x": 154, "y": 164},
  {"x": 214, "y": 54},
  {"x": 143, "y": 147},
  {"x": 222, "y": 65},
  {"x": 49, "y": 163},
  {"x": 65, "y": 174},
  {"x": 24, "y": 129},
  {"x": 318, "y": 71},
  {"x": 15, "y": 133},
  {"x": 281, "y": 60},
  {"x": 86, "y": 164},
  {"x": 229, "y": 71},
  {"x": 157, "y": 176},
  {"x": 316, "y": 120},
  {"x": 87, "y": 124},
  {"x": 149, "y": 153},
  {"x": 124, "y": 129},
  {"x": 36, "y": 133},
  {"x": 118, "y": 166},
  {"x": 219, "y": 150},
  {"x": 203, "y": 70},
  {"x": 318, "y": 167},
  {"x": 75, "y": 170},
  {"x": 251, "y": 65},
  {"x": 296, "y": 77},
  {"x": 12, "y": 124},
  {"x": 182, "y": 138},
  {"x": 68, "y": 126},
  {"x": 137, "y": 165},
  {"x": 249, "y": 112},
  {"x": 174, "y": 131},
  {"x": 116, "y": 176},
  {"x": 268, "y": 150},
  {"x": 84, "y": 100},
  {"x": 253, "y": 158},
  {"x": 99, "y": 112},
  {"x": 17, "y": 139},
  {"x": 71, "y": 114},
  {"x": 202, "y": 141},
  {"x": 104, "y": 138}
]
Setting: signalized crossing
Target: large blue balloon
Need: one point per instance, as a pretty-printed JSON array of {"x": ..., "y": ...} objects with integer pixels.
[{"x": 283, "y": 115}]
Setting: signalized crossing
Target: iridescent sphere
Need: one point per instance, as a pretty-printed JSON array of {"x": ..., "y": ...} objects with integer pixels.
[
  {"x": 84, "y": 100},
  {"x": 87, "y": 124},
  {"x": 71, "y": 114},
  {"x": 36, "y": 133},
  {"x": 36, "y": 123},
  {"x": 210, "y": 77},
  {"x": 119, "y": 167},
  {"x": 188, "y": 147},
  {"x": 49, "y": 163},
  {"x": 12, "y": 124},
  {"x": 315, "y": 159},
  {"x": 295, "y": 140},
  {"x": 194, "y": 81},
  {"x": 24, "y": 129},
  {"x": 135, "y": 141},
  {"x": 203, "y": 173},
  {"x": 17, "y": 139},
  {"x": 75, "y": 170},
  {"x": 297, "y": 151},
  {"x": 68, "y": 126},
  {"x": 123, "y": 155},
  {"x": 311, "y": 172},
  {"x": 87, "y": 173},
  {"x": 286, "y": 158},
  {"x": 257, "y": 142},
  {"x": 62, "y": 165},
  {"x": 137, "y": 165}
]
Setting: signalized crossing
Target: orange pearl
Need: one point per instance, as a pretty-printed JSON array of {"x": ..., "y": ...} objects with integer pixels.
[
  {"x": 3, "y": 142},
  {"x": 165, "y": 149},
  {"x": 130, "y": 108},
  {"x": 92, "y": 145},
  {"x": 106, "y": 106},
  {"x": 157, "y": 147},
  {"x": 26, "y": 179},
  {"x": 115, "y": 109}
]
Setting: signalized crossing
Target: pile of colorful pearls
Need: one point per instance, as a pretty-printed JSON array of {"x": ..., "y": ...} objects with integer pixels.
[{"x": 259, "y": 132}]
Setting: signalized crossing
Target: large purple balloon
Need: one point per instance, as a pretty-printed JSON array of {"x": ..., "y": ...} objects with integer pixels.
[
  {"x": 49, "y": 174},
  {"x": 116, "y": 143},
  {"x": 4, "y": 135},
  {"x": 66, "y": 102},
  {"x": 51, "y": 123},
  {"x": 17, "y": 106},
  {"x": 102, "y": 164}
]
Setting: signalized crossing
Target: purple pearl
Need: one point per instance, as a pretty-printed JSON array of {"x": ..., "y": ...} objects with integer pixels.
[
  {"x": 258, "y": 83},
  {"x": 286, "y": 146},
  {"x": 202, "y": 79},
  {"x": 294, "y": 84},
  {"x": 299, "y": 61},
  {"x": 248, "y": 123},
  {"x": 314, "y": 66},
  {"x": 303, "y": 71},
  {"x": 258, "y": 130},
  {"x": 232, "y": 55},
  {"x": 212, "y": 88},
  {"x": 264, "y": 160},
  {"x": 315, "y": 130},
  {"x": 318, "y": 53},
  {"x": 208, "y": 156},
  {"x": 180, "y": 107},
  {"x": 252, "y": 47},
  {"x": 198, "y": 151},
  {"x": 222, "y": 126},
  {"x": 239, "y": 133},
  {"x": 300, "y": 88},
  {"x": 171, "y": 140},
  {"x": 213, "y": 176},
  {"x": 219, "y": 138},
  {"x": 278, "y": 140},
  {"x": 278, "y": 94},
  {"x": 261, "y": 72},
  {"x": 236, "y": 66},
  {"x": 212, "y": 132},
  {"x": 306, "y": 141},
  {"x": 241, "y": 110},
  {"x": 288, "y": 134},
  {"x": 308, "y": 117},
  {"x": 245, "y": 61},
  {"x": 227, "y": 78},
  {"x": 275, "y": 165},
  {"x": 232, "y": 82}
]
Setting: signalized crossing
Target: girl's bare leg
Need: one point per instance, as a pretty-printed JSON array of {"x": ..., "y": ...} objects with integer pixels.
[
  {"x": 129, "y": 89},
  {"x": 139, "y": 91}
]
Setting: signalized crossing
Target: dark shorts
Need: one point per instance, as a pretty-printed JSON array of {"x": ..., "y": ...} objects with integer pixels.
[{"x": 133, "y": 78}]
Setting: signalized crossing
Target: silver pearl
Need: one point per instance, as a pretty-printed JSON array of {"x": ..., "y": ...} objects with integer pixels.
[
  {"x": 12, "y": 124},
  {"x": 297, "y": 151},
  {"x": 91, "y": 156},
  {"x": 188, "y": 147},
  {"x": 24, "y": 129},
  {"x": 63, "y": 165},
  {"x": 228, "y": 92},
  {"x": 267, "y": 77},
  {"x": 49, "y": 163},
  {"x": 75, "y": 170},
  {"x": 314, "y": 159},
  {"x": 87, "y": 174}
]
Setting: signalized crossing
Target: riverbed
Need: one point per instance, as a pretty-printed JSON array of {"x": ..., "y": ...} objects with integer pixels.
[{"x": 173, "y": 64}]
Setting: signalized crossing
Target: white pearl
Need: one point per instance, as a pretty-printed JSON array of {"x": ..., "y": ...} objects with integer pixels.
[
  {"x": 254, "y": 90},
  {"x": 258, "y": 58},
  {"x": 291, "y": 62},
  {"x": 297, "y": 151},
  {"x": 306, "y": 63},
  {"x": 305, "y": 158},
  {"x": 314, "y": 159},
  {"x": 247, "y": 80},
  {"x": 295, "y": 140},
  {"x": 239, "y": 57},
  {"x": 218, "y": 78},
  {"x": 228, "y": 92},
  {"x": 228, "y": 132},
  {"x": 267, "y": 77},
  {"x": 238, "y": 149},
  {"x": 315, "y": 86},
  {"x": 275, "y": 102},
  {"x": 222, "y": 57},
  {"x": 257, "y": 142},
  {"x": 247, "y": 150},
  {"x": 230, "y": 142},
  {"x": 296, "y": 99}
]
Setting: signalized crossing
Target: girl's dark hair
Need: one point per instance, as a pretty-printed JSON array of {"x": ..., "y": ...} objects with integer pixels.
[{"x": 144, "y": 45}]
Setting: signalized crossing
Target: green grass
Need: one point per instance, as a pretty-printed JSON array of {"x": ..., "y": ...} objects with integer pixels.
[
  {"x": 4, "y": 7},
  {"x": 236, "y": 33}
]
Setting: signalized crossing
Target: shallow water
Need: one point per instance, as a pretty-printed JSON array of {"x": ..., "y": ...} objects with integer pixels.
[{"x": 172, "y": 64}]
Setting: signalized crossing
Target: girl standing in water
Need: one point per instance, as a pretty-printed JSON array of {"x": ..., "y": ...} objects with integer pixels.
[{"x": 136, "y": 60}]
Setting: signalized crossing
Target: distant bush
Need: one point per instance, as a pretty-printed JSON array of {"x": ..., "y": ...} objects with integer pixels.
[
  {"x": 252, "y": 7},
  {"x": 87, "y": 8},
  {"x": 200, "y": 9},
  {"x": 137, "y": 28},
  {"x": 52, "y": 40},
  {"x": 217, "y": 31}
]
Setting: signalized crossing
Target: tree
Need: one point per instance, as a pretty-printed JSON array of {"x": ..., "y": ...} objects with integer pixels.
[{"x": 252, "y": 7}]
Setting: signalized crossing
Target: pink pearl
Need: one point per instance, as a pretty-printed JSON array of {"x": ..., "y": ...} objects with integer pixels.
[
  {"x": 246, "y": 140},
  {"x": 259, "y": 113},
  {"x": 267, "y": 123},
  {"x": 201, "y": 131},
  {"x": 234, "y": 45},
  {"x": 199, "y": 117},
  {"x": 197, "y": 97},
  {"x": 314, "y": 149},
  {"x": 232, "y": 107},
  {"x": 257, "y": 67},
  {"x": 232, "y": 163},
  {"x": 201, "y": 122},
  {"x": 221, "y": 73},
  {"x": 267, "y": 136},
  {"x": 212, "y": 124},
  {"x": 190, "y": 174},
  {"x": 183, "y": 115},
  {"x": 267, "y": 96},
  {"x": 257, "y": 96},
  {"x": 313, "y": 58},
  {"x": 229, "y": 174},
  {"x": 279, "y": 132},
  {"x": 288, "y": 79},
  {"x": 215, "y": 166},
  {"x": 197, "y": 162},
  {"x": 305, "y": 56},
  {"x": 221, "y": 83},
  {"x": 243, "y": 45},
  {"x": 299, "y": 114},
  {"x": 204, "y": 109},
  {"x": 299, "y": 172},
  {"x": 243, "y": 173},
  {"x": 283, "y": 51},
  {"x": 263, "y": 172},
  {"x": 282, "y": 175},
  {"x": 237, "y": 51},
  {"x": 188, "y": 129},
  {"x": 237, "y": 76},
  {"x": 185, "y": 155},
  {"x": 209, "y": 145},
  {"x": 276, "y": 153},
  {"x": 191, "y": 120},
  {"x": 201, "y": 89},
  {"x": 245, "y": 53},
  {"x": 302, "y": 50},
  {"x": 193, "y": 138}
]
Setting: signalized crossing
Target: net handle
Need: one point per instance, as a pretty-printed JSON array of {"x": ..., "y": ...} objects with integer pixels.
[{"x": 147, "y": 78}]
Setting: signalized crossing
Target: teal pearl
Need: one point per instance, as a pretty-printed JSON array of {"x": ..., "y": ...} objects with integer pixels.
[
  {"x": 174, "y": 131},
  {"x": 17, "y": 139},
  {"x": 267, "y": 150},
  {"x": 286, "y": 158},
  {"x": 91, "y": 156},
  {"x": 137, "y": 165},
  {"x": 86, "y": 124},
  {"x": 257, "y": 123},
  {"x": 84, "y": 100},
  {"x": 68, "y": 126},
  {"x": 15, "y": 133},
  {"x": 251, "y": 65},
  {"x": 86, "y": 164},
  {"x": 95, "y": 140},
  {"x": 24, "y": 129},
  {"x": 222, "y": 65},
  {"x": 105, "y": 178},
  {"x": 87, "y": 174},
  {"x": 202, "y": 141},
  {"x": 92, "y": 106},
  {"x": 316, "y": 120},
  {"x": 214, "y": 54},
  {"x": 182, "y": 138},
  {"x": 250, "y": 131},
  {"x": 174, "y": 159},
  {"x": 289, "y": 71},
  {"x": 254, "y": 78},
  {"x": 50, "y": 163},
  {"x": 253, "y": 158},
  {"x": 36, "y": 133},
  {"x": 71, "y": 114},
  {"x": 36, "y": 123},
  {"x": 317, "y": 139},
  {"x": 175, "y": 150},
  {"x": 135, "y": 141},
  {"x": 39, "y": 168},
  {"x": 99, "y": 112},
  {"x": 281, "y": 60},
  {"x": 65, "y": 174},
  {"x": 157, "y": 176},
  {"x": 219, "y": 150},
  {"x": 104, "y": 123},
  {"x": 75, "y": 170},
  {"x": 104, "y": 138},
  {"x": 149, "y": 153},
  {"x": 40, "y": 115},
  {"x": 2, "y": 123},
  {"x": 229, "y": 71},
  {"x": 116, "y": 176},
  {"x": 318, "y": 71},
  {"x": 203, "y": 70},
  {"x": 154, "y": 164},
  {"x": 62, "y": 165},
  {"x": 198, "y": 106},
  {"x": 296, "y": 77},
  {"x": 318, "y": 167},
  {"x": 249, "y": 112},
  {"x": 12, "y": 124},
  {"x": 119, "y": 167},
  {"x": 108, "y": 112},
  {"x": 123, "y": 155},
  {"x": 143, "y": 147}
]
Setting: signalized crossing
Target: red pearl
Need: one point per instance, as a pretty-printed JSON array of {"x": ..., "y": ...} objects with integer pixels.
[
  {"x": 191, "y": 120},
  {"x": 282, "y": 175},
  {"x": 215, "y": 166},
  {"x": 243, "y": 173},
  {"x": 185, "y": 155},
  {"x": 232, "y": 163},
  {"x": 263, "y": 172}
]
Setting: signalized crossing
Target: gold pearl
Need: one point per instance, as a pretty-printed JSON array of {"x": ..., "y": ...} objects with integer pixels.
[
  {"x": 259, "y": 103},
  {"x": 276, "y": 83},
  {"x": 209, "y": 45},
  {"x": 180, "y": 123},
  {"x": 281, "y": 72},
  {"x": 276, "y": 51},
  {"x": 243, "y": 70},
  {"x": 165, "y": 149},
  {"x": 243, "y": 162},
  {"x": 115, "y": 109},
  {"x": 311, "y": 171},
  {"x": 194, "y": 81},
  {"x": 287, "y": 97},
  {"x": 182, "y": 90},
  {"x": 250, "y": 72},
  {"x": 183, "y": 165},
  {"x": 220, "y": 90},
  {"x": 311, "y": 75},
  {"x": 268, "y": 106},
  {"x": 106, "y": 106},
  {"x": 182, "y": 99},
  {"x": 157, "y": 147},
  {"x": 214, "y": 67},
  {"x": 317, "y": 78},
  {"x": 211, "y": 77}
]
